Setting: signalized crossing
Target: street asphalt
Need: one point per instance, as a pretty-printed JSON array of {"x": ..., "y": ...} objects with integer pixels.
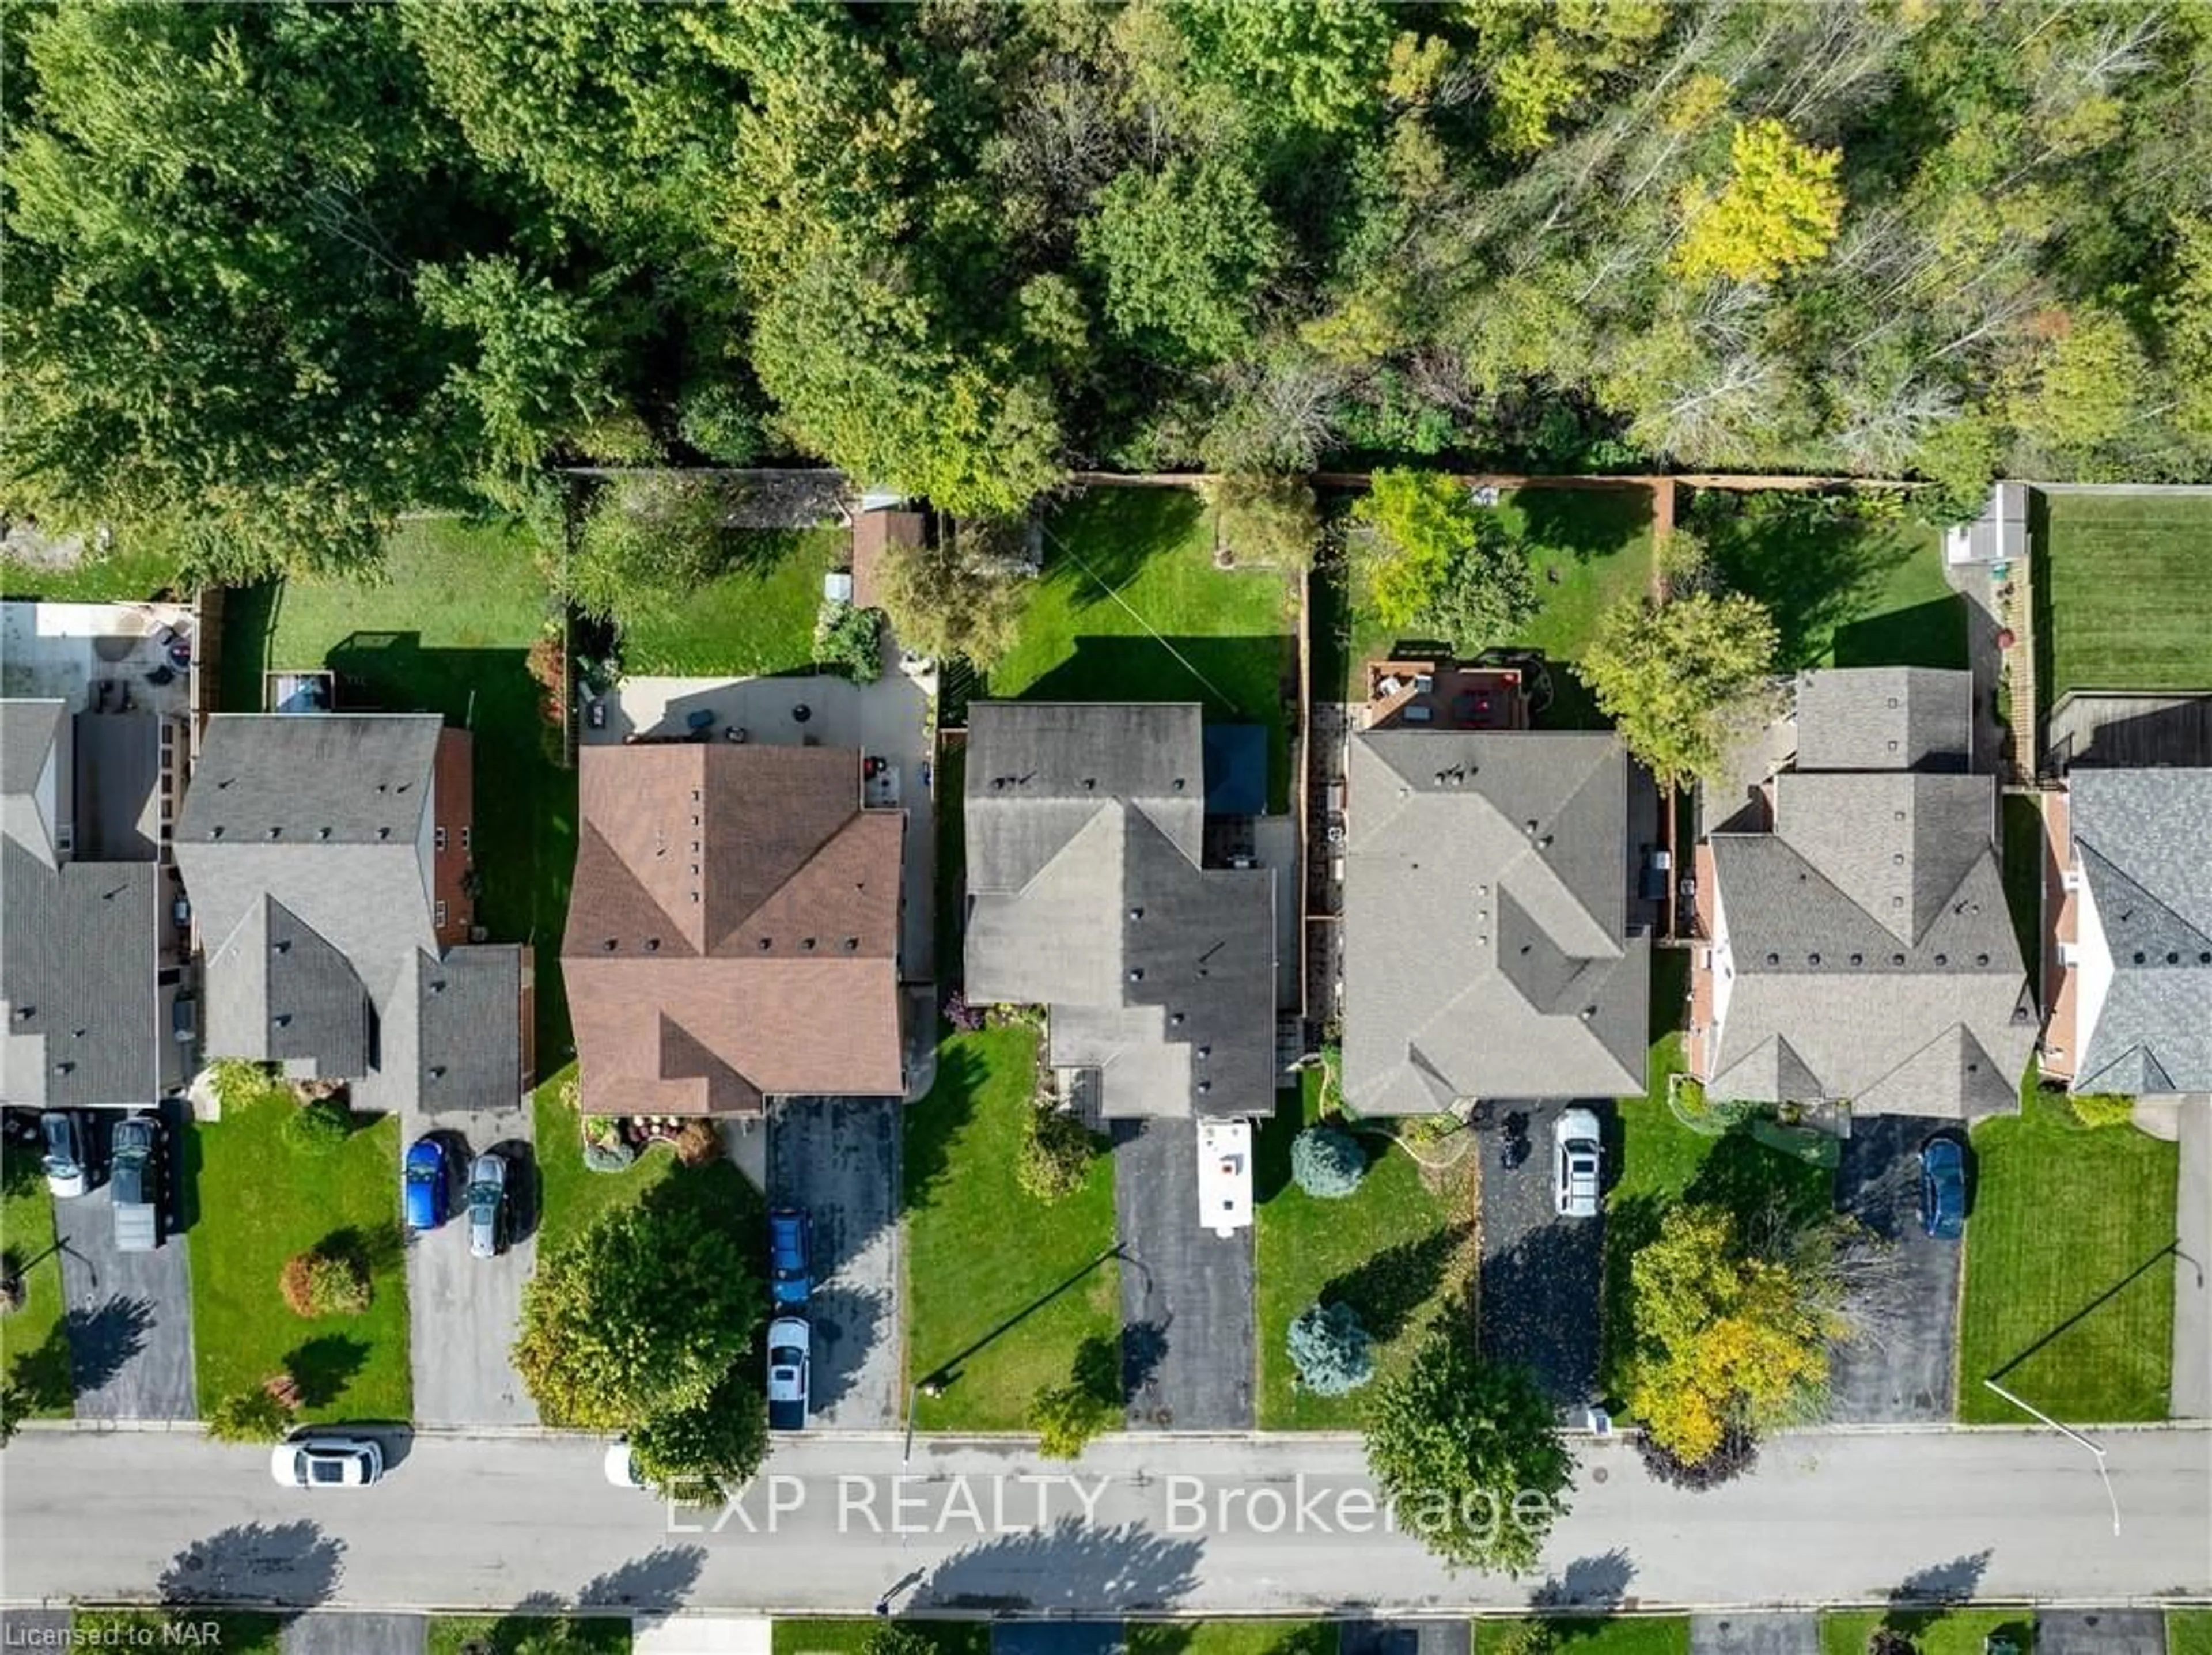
[
  {"x": 1196, "y": 1524},
  {"x": 1900, "y": 1371},
  {"x": 1187, "y": 1294}
]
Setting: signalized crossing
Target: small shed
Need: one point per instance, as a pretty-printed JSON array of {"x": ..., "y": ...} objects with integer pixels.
[{"x": 1236, "y": 770}]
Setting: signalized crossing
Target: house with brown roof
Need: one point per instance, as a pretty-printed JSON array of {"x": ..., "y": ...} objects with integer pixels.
[{"x": 733, "y": 929}]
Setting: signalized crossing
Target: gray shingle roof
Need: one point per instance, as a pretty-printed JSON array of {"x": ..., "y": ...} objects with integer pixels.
[
  {"x": 1485, "y": 956},
  {"x": 462, "y": 1002},
  {"x": 2144, "y": 841},
  {"x": 1085, "y": 892},
  {"x": 1884, "y": 718}
]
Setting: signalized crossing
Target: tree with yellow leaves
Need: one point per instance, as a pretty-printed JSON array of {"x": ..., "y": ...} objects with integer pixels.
[{"x": 1779, "y": 208}]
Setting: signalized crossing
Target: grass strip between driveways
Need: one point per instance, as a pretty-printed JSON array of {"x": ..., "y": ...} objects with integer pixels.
[
  {"x": 231, "y": 1632},
  {"x": 804, "y": 1636},
  {"x": 570, "y": 1194},
  {"x": 1230, "y": 1638},
  {"x": 1939, "y": 1630},
  {"x": 1611, "y": 1635},
  {"x": 33, "y": 1347},
  {"x": 511, "y": 1634},
  {"x": 2189, "y": 1631}
]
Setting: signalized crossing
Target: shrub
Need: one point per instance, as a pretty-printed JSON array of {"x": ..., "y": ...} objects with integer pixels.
[
  {"x": 697, "y": 1142},
  {"x": 318, "y": 1283},
  {"x": 852, "y": 642},
  {"x": 963, "y": 1018},
  {"x": 1331, "y": 1351},
  {"x": 615, "y": 1157},
  {"x": 1327, "y": 1164},
  {"x": 249, "y": 1416},
  {"x": 716, "y": 419},
  {"x": 1066, "y": 1417},
  {"x": 2099, "y": 1109},
  {"x": 237, "y": 1083},
  {"x": 1056, "y": 1154},
  {"x": 318, "y": 1126}
]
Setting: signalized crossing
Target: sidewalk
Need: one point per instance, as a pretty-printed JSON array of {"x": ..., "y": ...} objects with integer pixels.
[{"x": 2192, "y": 1266}]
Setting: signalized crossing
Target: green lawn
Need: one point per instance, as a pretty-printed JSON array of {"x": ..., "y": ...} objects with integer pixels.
[
  {"x": 982, "y": 1252},
  {"x": 1933, "y": 1631},
  {"x": 2069, "y": 1268},
  {"x": 1612, "y": 1635},
  {"x": 253, "y": 1201},
  {"x": 2024, "y": 853},
  {"x": 444, "y": 627},
  {"x": 806, "y": 1637},
  {"x": 129, "y": 573},
  {"x": 2121, "y": 600},
  {"x": 1397, "y": 1250},
  {"x": 601, "y": 1634},
  {"x": 1230, "y": 1637},
  {"x": 1130, "y": 607},
  {"x": 569, "y": 1193},
  {"x": 34, "y": 1349},
  {"x": 234, "y": 1631},
  {"x": 2189, "y": 1631},
  {"x": 1846, "y": 589},
  {"x": 756, "y": 617}
]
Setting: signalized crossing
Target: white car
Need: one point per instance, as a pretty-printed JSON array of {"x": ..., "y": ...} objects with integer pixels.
[
  {"x": 1577, "y": 1161},
  {"x": 621, "y": 1468},
  {"x": 326, "y": 1462},
  {"x": 788, "y": 1339}
]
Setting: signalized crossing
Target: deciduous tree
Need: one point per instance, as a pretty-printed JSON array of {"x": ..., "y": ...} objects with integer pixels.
[
  {"x": 941, "y": 606},
  {"x": 703, "y": 1455},
  {"x": 1682, "y": 678},
  {"x": 1778, "y": 208}
]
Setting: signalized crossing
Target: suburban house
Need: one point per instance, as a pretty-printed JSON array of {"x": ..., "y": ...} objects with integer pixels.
[
  {"x": 1854, "y": 941},
  {"x": 1487, "y": 947},
  {"x": 1091, "y": 891},
  {"x": 733, "y": 929},
  {"x": 81, "y": 907},
  {"x": 330, "y": 864},
  {"x": 2133, "y": 932}
]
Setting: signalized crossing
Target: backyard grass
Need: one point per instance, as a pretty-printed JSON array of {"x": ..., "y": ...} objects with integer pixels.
[
  {"x": 444, "y": 627},
  {"x": 507, "y": 1634},
  {"x": 254, "y": 1202},
  {"x": 1001, "y": 1288},
  {"x": 1397, "y": 1250},
  {"x": 230, "y": 1631},
  {"x": 2121, "y": 601},
  {"x": 570, "y": 1195},
  {"x": 806, "y": 1637},
  {"x": 127, "y": 573},
  {"x": 1935, "y": 1631},
  {"x": 756, "y": 617},
  {"x": 2024, "y": 852},
  {"x": 2189, "y": 1631},
  {"x": 1228, "y": 1638},
  {"x": 1845, "y": 589},
  {"x": 1613, "y": 1636},
  {"x": 2069, "y": 1268},
  {"x": 1131, "y": 607},
  {"x": 34, "y": 1349}
]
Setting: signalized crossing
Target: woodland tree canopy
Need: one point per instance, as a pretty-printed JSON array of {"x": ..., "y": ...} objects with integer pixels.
[{"x": 276, "y": 272}]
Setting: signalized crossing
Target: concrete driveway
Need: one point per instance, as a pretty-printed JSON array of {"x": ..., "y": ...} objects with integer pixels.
[
  {"x": 2100, "y": 1632},
  {"x": 462, "y": 1312},
  {"x": 1187, "y": 1315},
  {"x": 1540, "y": 1273},
  {"x": 130, "y": 1315},
  {"x": 1903, "y": 1370},
  {"x": 837, "y": 1159}
]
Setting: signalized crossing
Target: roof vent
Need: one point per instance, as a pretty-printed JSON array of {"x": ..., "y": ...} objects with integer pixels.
[
  {"x": 283, "y": 1019},
  {"x": 1897, "y": 959},
  {"x": 1532, "y": 825},
  {"x": 1136, "y": 913},
  {"x": 25, "y": 1013},
  {"x": 1206, "y": 1051},
  {"x": 1136, "y": 974},
  {"x": 284, "y": 945},
  {"x": 384, "y": 833},
  {"x": 1812, "y": 959},
  {"x": 653, "y": 945},
  {"x": 851, "y": 945},
  {"x": 1859, "y": 959},
  {"x": 1090, "y": 784},
  {"x": 382, "y": 786},
  {"x": 1588, "y": 1011},
  {"x": 2204, "y": 959},
  {"x": 1893, "y": 746},
  {"x": 2140, "y": 957},
  {"x": 1892, "y": 702},
  {"x": 1175, "y": 1019},
  {"x": 437, "y": 985},
  {"x": 1544, "y": 843},
  {"x": 65, "y": 1067},
  {"x": 215, "y": 832},
  {"x": 762, "y": 945},
  {"x": 437, "y": 1071},
  {"x": 997, "y": 784},
  {"x": 695, "y": 796},
  {"x": 1178, "y": 784},
  {"x": 1771, "y": 959},
  {"x": 806, "y": 945},
  {"x": 322, "y": 833},
  {"x": 1981, "y": 959},
  {"x": 694, "y": 821},
  {"x": 1897, "y": 858},
  {"x": 2174, "y": 960},
  {"x": 225, "y": 782},
  {"x": 401, "y": 788},
  {"x": 607, "y": 946},
  {"x": 1943, "y": 959},
  {"x": 274, "y": 831},
  {"x": 1896, "y": 815}
]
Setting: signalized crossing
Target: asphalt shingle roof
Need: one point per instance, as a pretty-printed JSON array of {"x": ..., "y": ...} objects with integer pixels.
[{"x": 1884, "y": 718}]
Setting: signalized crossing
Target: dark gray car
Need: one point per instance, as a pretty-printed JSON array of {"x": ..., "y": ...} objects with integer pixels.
[{"x": 134, "y": 1183}]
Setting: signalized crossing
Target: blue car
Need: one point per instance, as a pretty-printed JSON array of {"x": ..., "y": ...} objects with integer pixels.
[
  {"x": 426, "y": 1184},
  {"x": 1943, "y": 1188},
  {"x": 790, "y": 1243}
]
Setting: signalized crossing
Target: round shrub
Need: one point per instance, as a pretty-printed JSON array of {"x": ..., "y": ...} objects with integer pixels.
[
  {"x": 2097, "y": 1109},
  {"x": 614, "y": 1157},
  {"x": 697, "y": 1142},
  {"x": 325, "y": 1284},
  {"x": 249, "y": 1416},
  {"x": 1056, "y": 1155},
  {"x": 1327, "y": 1164},
  {"x": 318, "y": 1126},
  {"x": 1330, "y": 1350}
]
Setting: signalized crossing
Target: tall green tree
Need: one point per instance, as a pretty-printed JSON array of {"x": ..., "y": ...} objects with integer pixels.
[
  {"x": 1683, "y": 679},
  {"x": 1184, "y": 254}
]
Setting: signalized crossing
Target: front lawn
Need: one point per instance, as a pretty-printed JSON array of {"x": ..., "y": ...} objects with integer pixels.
[
  {"x": 1001, "y": 1289},
  {"x": 2069, "y": 1268},
  {"x": 2189, "y": 1631},
  {"x": 756, "y": 617},
  {"x": 1938, "y": 1631},
  {"x": 509, "y": 1634},
  {"x": 1230, "y": 1637},
  {"x": 1850, "y": 584},
  {"x": 808, "y": 1637},
  {"x": 232, "y": 1632},
  {"x": 444, "y": 627},
  {"x": 257, "y": 1201},
  {"x": 34, "y": 1349},
  {"x": 1397, "y": 1250},
  {"x": 1131, "y": 607},
  {"x": 2121, "y": 601},
  {"x": 570, "y": 1195},
  {"x": 1613, "y": 1635}
]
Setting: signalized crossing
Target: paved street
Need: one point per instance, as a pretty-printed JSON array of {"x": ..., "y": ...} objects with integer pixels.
[
  {"x": 1540, "y": 1272},
  {"x": 1901, "y": 1373},
  {"x": 462, "y": 1311},
  {"x": 837, "y": 1159},
  {"x": 1187, "y": 1338},
  {"x": 1192, "y": 1523}
]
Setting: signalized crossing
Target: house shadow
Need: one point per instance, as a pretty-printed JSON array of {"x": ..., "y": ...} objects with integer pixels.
[
  {"x": 1103, "y": 539},
  {"x": 1237, "y": 679},
  {"x": 1821, "y": 575},
  {"x": 1073, "y": 1568},
  {"x": 1933, "y": 634},
  {"x": 931, "y": 1125}
]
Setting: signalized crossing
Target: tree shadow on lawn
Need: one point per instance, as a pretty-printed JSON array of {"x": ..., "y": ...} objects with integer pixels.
[
  {"x": 1391, "y": 1285},
  {"x": 1588, "y": 524},
  {"x": 1234, "y": 679},
  {"x": 1819, "y": 577},
  {"x": 1114, "y": 532},
  {"x": 323, "y": 1368}
]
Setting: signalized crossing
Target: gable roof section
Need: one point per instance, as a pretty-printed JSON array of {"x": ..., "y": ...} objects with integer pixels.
[
  {"x": 1087, "y": 892},
  {"x": 30, "y": 731},
  {"x": 1485, "y": 956},
  {"x": 1884, "y": 718},
  {"x": 732, "y": 932}
]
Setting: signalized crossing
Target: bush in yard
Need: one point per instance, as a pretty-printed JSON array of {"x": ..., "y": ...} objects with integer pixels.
[
  {"x": 1416, "y": 523},
  {"x": 1331, "y": 1351},
  {"x": 318, "y": 1283},
  {"x": 1066, "y": 1417},
  {"x": 941, "y": 605},
  {"x": 547, "y": 663},
  {"x": 697, "y": 1142},
  {"x": 249, "y": 1416},
  {"x": 657, "y": 535},
  {"x": 896, "y": 1637},
  {"x": 1327, "y": 1164},
  {"x": 1889, "y": 1640},
  {"x": 701, "y": 1456},
  {"x": 853, "y": 642},
  {"x": 16, "y": 1405},
  {"x": 613, "y": 1156},
  {"x": 963, "y": 1018},
  {"x": 1267, "y": 518},
  {"x": 318, "y": 1126},
  {"x": 237, "y": 1083},
  {"x": 2098, "y": 1109},
  {"x": 1056, "y": 1154}
]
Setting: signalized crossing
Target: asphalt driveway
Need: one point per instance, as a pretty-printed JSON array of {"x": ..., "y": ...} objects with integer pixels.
[
  {"x": 1902, "y": 1373},
  {"x": 130, "y": 1315},
  {"x": 1540, "y": 1273},
  {"x": 837, "y": 1159},
  {"x": 1187, "y": 1315},
  {"x": 356, "y": 1632},
  {"x": 462, "y": 1312}
]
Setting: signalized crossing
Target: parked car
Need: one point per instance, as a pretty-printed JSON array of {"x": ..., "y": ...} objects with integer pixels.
[
  {"x": 425, "y": 1175},
  {"x": 790, "y": 1245},
  {"x": 486, "y": 1199},
  {"x": 788, "y": 1340},
  {"x": 621, "y": 1468},
  {"x": 1943, "y": 1188},
  {"x": 134, "y": 1183},
  {"x": 1658, "y": 864},
  {"x": 326, "y": 1462},
  {"x": 68, "y": 1170},
  {"x": 1576, "y": 1162}
]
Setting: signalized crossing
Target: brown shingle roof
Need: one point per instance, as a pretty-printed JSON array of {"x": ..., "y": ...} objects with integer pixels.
[
  {"x": 873, "y": 533},
  {"x": 763, "y": 962}
]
